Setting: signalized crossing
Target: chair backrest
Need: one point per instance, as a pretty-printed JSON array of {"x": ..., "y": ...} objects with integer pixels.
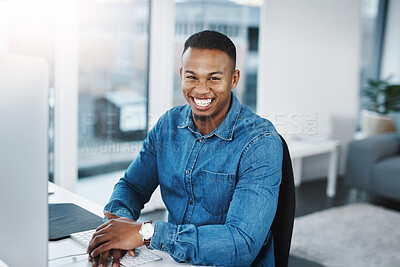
[{"x": 282, "y": 226}]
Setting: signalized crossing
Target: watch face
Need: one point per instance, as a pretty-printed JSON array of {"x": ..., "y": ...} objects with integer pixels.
[{"x": 147, "y": 230}]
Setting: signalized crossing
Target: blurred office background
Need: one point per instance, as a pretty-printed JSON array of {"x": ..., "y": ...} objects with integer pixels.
[
  {"x": 115, "y": 70},
  {"x": 99, "y": 52}
]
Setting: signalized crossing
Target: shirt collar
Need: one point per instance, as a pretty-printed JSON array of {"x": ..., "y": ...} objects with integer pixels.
[{"x": 225, "y": 129}]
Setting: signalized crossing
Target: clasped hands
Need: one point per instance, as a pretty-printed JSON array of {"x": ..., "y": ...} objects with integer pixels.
[{"x": 117, "y": 236}]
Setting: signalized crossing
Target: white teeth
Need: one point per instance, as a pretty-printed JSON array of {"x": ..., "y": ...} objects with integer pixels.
[{"x": 202, "y": 102}]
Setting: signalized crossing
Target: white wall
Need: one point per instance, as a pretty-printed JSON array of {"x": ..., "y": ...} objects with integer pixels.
[
  {"x": 161, "y": 82},
  {"x": 391, "y": 47},
  {"x": 309, "y": 69},
  {"x": 4, "y": 21},
  {"x": 66, "y": 96}
]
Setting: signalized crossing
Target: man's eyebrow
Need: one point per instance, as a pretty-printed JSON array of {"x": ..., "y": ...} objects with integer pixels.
[
  {"x": 210, "y": 74},
  {"x": 215, "y": 72}
]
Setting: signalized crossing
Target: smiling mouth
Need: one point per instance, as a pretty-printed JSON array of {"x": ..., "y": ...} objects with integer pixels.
[{"x": 202, "y": 102}]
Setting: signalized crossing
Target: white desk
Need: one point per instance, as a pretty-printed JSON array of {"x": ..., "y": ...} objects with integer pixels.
[
  {"x": 68, "y": 247},
  {"x": 305, "y": 148},
  {"x": 2, "y": 264}
]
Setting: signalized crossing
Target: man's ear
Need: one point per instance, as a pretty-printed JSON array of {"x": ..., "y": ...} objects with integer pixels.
[
  {"x": 180, "y": 72},
  {"x": 235, "y": 78}
]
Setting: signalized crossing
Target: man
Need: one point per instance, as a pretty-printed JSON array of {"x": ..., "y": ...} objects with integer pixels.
[{"x": 218, "y": 166}]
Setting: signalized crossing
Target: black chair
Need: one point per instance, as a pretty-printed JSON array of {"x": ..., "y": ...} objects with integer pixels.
[{"x": 282, "y": 226}]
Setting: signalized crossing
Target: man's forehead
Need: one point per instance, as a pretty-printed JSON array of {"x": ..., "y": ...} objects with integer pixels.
[{"x": 194, "y": 55}]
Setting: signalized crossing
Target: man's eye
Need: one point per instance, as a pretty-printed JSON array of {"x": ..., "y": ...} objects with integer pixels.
[
  {"x": 215, "y": 78},
  {"x": 190, "y": 77}
]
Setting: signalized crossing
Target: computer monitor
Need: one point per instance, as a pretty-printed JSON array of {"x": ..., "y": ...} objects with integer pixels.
[{"x": 24, "y": 83}]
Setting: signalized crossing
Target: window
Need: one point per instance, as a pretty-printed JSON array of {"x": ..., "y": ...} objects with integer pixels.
[
  {"x": 113, "y": 83},
  {"x": 371, "y": 37},
  {"x": 391, "y": 45}
]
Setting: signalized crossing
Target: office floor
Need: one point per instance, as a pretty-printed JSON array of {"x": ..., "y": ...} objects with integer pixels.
[{"x": 310, "y": 197}]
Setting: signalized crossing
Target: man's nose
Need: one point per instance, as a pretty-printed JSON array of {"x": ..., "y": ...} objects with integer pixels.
[{"x": 202, "y": 87}]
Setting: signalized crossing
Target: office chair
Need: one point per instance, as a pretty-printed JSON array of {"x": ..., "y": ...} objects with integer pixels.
[{"x": 282, "y": 226}]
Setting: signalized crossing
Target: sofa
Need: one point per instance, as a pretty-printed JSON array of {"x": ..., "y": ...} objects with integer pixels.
[{"x": 373, "y": 164}]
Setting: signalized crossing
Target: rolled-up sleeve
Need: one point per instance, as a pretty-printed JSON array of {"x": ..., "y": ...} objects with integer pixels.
[{"x": 249, "y": 218}]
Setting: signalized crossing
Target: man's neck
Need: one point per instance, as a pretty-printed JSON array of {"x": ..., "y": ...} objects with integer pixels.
[{"x": 206, "y": 126}]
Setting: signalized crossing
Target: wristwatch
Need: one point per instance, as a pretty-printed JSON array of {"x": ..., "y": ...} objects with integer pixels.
[{"x": 146, "y": 231}]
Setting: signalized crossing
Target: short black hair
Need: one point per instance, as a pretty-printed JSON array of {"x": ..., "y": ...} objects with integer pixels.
[{"x": 212, "y": 40}]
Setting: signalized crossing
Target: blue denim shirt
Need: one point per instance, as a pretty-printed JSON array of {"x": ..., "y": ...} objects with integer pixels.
[{"x": 220, "y": 190}]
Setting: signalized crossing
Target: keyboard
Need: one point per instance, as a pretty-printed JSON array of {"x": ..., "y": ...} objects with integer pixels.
[{"x": 143, "y": 255}]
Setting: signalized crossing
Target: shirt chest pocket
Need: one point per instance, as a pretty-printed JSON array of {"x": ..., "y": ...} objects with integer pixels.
[{"x": 217, "y": 191}]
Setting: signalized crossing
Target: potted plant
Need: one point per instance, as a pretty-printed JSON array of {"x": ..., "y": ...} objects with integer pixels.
[{"x": 381, "y": 103}]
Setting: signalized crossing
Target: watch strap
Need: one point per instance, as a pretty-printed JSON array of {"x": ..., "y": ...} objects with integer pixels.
[{"x": 147, "y": 242}]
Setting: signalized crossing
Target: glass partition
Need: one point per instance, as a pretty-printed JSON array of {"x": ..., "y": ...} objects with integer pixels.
[
  {"x": 369, "y": 50},
  {"x": 113, "y": 83}
]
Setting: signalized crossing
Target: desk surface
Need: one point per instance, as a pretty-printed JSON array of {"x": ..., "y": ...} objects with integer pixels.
[{"x": 67, "y": 247}]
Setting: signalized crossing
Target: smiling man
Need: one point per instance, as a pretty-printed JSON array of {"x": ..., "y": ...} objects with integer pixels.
[{"x": 218, "y": 166}]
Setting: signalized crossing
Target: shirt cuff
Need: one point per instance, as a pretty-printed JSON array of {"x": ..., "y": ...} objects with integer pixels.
[
  {"x": 119, "y": 212},
  {"x": 164, "y": 236}
]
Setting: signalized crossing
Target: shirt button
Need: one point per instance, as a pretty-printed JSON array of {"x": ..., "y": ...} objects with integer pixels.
[
  {"x": 188, "y": 259},
  {"x": 161, "y": 245},
  {"x": 199, "y": 140},
  {"x": 190, "y": 202},
  {"x": 187, "y": 171}
]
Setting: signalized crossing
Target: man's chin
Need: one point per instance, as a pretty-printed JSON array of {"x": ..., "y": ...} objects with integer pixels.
[{"x": 201, "y": 117}]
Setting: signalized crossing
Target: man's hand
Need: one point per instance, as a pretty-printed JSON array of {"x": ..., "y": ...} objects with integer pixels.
[
  {"x": 117, "y": 234},
  {"x": 117, "y": 255}
]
